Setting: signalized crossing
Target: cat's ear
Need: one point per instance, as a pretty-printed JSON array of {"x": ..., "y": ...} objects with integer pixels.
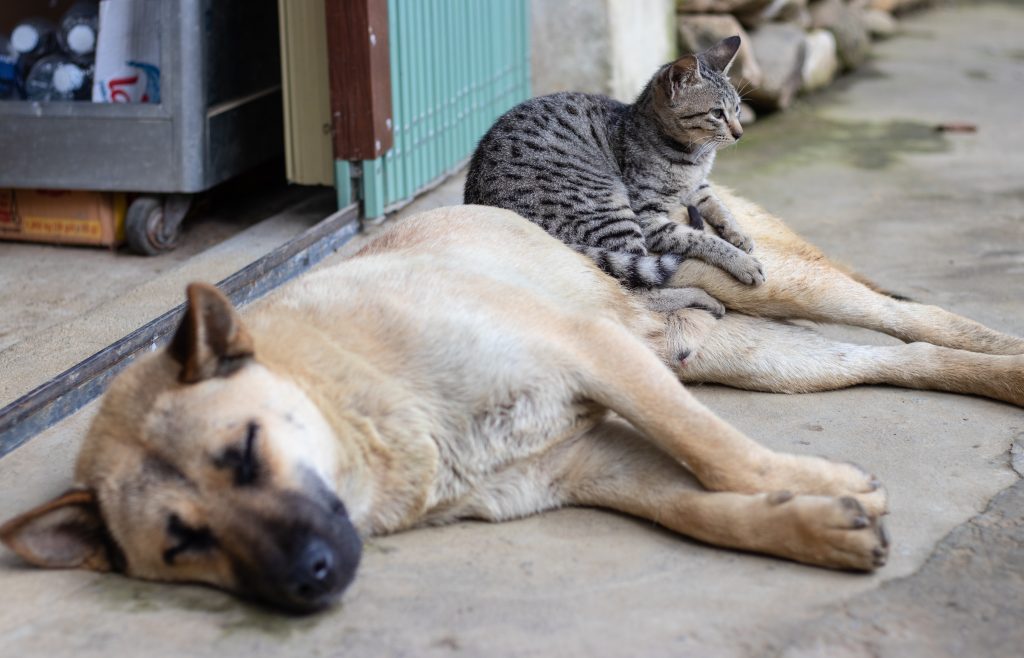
[
  {"x": 720, "y": 56},
  {"x": 683, "y": 71}
]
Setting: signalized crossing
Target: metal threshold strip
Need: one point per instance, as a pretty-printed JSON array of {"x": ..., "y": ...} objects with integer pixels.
[{"x": 74, "y": 388}]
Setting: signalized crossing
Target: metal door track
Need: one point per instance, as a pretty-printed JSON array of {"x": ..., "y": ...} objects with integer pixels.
[{"x": 74, "y": 388}]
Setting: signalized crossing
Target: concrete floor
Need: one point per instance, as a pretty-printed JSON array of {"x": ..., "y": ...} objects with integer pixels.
[
  {"x": 62, "y": 304},
  {"x": 862, "y": 173}
]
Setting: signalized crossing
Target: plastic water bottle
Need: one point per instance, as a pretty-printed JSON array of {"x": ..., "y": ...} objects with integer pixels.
[
  {"x": 34, "y": 38},
  {"x": 77, "y": 31},
  {"x": 9, "y": 88},
  {"x": 58, "y": 78}
]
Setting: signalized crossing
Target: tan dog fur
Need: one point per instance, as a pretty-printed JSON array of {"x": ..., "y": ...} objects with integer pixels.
[{"x": 465, "y": 364}]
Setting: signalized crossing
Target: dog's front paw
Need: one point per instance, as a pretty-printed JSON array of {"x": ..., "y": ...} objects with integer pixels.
[
  {"x": 835, "y": 532},
  {"x": 806, "y": 474},
  {"x": 768, "y": 471}
]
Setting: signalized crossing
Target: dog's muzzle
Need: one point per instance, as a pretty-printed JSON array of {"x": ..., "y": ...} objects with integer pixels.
[
  {"x": 302, "y": 556},
  {"x": 321, "y": 570}
]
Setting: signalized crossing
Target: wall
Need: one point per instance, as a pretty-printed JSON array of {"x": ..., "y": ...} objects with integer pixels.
[
  {"x": 643, "y": 38},
  {"x": 599, "y": 46}
]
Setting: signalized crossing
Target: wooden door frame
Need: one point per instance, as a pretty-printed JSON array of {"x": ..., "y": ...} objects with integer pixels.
[{"x": 359, "y": 66}]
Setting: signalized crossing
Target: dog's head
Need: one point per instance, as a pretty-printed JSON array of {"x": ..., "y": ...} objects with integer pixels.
[{"x": 204, "y": 465}]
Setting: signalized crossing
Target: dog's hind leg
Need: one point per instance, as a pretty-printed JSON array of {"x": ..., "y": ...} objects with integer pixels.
[
  {"x": 768, "y": 355},
  {"x": 620, "y": 373},
  {"x": 801, "y": 283},
  {"x": 797, "y": 288},
  {"x": 613, "y": 467}
]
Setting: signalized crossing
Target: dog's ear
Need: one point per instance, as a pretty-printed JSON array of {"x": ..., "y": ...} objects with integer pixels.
[
  {"x": 65, "y": 533},
  {"x": 211, "y": 341}
]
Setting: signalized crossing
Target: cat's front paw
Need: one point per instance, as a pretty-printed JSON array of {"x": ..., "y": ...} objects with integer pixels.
[
  {"x": 746, "y": 269},
  {"x": 728, "y": 229},
  {"x": 738, "y": 239},
  {"x": 670, "y": 300}
]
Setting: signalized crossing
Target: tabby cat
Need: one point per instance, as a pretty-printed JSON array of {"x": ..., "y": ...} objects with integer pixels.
[{"x": 605, "y": 177}]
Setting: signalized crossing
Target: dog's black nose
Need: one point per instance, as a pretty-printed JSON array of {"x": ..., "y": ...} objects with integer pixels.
[
  {"x": 313, "y": 574},
  {"x": 311, "y": 563}
]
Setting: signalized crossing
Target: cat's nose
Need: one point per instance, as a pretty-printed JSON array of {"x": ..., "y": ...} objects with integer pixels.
[{"x": 736, "y": 134}]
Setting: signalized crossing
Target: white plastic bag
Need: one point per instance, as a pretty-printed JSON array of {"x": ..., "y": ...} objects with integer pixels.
[{"x": 128, "y": 53}]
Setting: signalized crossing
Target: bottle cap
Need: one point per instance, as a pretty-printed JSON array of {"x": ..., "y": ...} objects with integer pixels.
[
  {"x": 68, "y": 78},
  {"x": 81, "y": 39},
  {"x": 25, "y": 38}
]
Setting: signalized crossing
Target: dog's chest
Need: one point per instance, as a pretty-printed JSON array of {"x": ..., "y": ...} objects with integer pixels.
[{"x": 493, "y": 462}]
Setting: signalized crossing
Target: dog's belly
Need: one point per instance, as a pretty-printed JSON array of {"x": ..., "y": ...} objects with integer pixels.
[
  {"x": 494, "y": 450},
  {"x": 480, "y": 332}
]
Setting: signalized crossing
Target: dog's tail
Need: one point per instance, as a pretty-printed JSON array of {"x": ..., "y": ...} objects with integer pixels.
[{"x": 633, "y": 270}]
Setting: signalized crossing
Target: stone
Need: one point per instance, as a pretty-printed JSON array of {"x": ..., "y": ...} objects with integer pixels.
[
  {"x": 783, "y": 11},
  {"x": 821, "y": 64},
  {"x": 800, "y": 17},
  {"x": 775, "y": 11},
  {"x": 824, "y": 13},
  {"x": 699, "y": 32},
  {"x": 880, "y": 24},
  {"x": 747, "y": 115},
  {"x": 780, "y": 49},
  {"x": 747, "y": 12},
  {"x": 720, "y": 6},
  {"x": 897, "y": 6},
  {"x": 846, "y": 23},
  {"x": 787, "y": 11}
]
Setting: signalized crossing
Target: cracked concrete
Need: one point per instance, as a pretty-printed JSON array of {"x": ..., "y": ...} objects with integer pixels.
[
  {"x": 967, "y": 599},
  {"x": 858, "y": 171}
]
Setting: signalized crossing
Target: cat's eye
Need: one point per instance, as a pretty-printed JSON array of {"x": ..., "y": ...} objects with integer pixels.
[{"x": 718, "y": 113}]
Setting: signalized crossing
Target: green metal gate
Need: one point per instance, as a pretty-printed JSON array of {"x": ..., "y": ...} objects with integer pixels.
[{"x": 456, "y": 66}]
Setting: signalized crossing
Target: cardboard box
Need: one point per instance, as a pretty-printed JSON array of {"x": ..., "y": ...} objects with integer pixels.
[{"x": 63, "y": 217}]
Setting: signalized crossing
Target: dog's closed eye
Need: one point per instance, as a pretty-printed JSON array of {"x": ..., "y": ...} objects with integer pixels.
[
  {"x": 242, "y": 460},
  {"x": 187, "y": 538}
]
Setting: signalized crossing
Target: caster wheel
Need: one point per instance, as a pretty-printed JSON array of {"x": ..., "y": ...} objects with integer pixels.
[{"x": 147, "y": 228}]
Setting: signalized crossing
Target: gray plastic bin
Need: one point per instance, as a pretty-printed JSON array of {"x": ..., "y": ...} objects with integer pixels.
[{"x": 220, "y": 114}]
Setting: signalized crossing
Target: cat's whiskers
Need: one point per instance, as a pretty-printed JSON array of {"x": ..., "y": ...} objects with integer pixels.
[
  {"x": 690, "y": 143},
  {"x": 747, "y": 90},
  {"x": 706, "y": 146}
]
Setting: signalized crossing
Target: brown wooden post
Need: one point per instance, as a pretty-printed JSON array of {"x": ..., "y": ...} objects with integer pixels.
[{"x": 360, "y": 75}]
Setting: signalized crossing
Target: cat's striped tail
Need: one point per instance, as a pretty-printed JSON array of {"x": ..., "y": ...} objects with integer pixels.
[{"x": 633, "y": 270}]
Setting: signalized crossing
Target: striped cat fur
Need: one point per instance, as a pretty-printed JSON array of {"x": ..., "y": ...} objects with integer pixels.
[{"x": 610, "y": 179}]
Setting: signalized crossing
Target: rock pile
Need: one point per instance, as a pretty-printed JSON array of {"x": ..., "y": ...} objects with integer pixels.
[{"x": 789, "y": 46}]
